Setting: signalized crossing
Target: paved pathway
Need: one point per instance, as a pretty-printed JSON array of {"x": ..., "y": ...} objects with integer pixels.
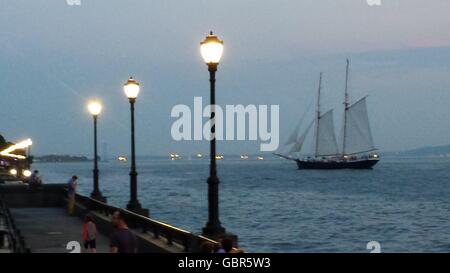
[{"x": 49, "y": 230}]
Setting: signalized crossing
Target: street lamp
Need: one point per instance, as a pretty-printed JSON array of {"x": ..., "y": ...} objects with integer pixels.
[
  {"x": 211, "y": 50},
  {"x": 131, "y": 89},
  {"x": 95, "y": 108}
]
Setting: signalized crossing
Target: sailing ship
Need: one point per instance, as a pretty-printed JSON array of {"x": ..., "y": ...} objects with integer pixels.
[{"x": 357, "y": 151}]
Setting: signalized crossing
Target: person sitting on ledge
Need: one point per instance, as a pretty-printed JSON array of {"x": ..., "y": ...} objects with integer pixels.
[{"x": 35, "y": 180}]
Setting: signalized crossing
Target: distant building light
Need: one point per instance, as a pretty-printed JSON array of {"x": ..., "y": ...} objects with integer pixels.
[{"x": 26, "y": 173}]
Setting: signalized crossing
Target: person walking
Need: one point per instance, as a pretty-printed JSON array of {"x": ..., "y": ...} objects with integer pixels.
[
  {"x": 71, "y": 190},
  {"x": 122, "y": 240},
  {"x": 89, "y": 234}
]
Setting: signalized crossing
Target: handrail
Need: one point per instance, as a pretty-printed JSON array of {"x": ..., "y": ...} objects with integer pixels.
[
  {"x": 189, "y": 240},
  {"x": 15, "y": 239}
]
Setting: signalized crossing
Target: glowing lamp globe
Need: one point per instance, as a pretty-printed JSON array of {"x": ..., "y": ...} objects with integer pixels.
[
  {"x": 95, "y": 107},
  {"x": 131, "y": 88},
  {"x": 211, "y": 49}
]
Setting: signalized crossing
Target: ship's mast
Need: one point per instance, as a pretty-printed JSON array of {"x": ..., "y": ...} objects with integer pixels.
[
  {"x": 345, "y": 108},
  {"x": 318, "y": 115}
]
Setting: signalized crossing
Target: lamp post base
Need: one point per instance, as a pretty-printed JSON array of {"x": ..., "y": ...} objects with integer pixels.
[
  {"x": 136, "y": 208},
  {"x": 220, "y": 236},
  {"x": 98, "y": 197},
  {"x": 213, "y": 231}
]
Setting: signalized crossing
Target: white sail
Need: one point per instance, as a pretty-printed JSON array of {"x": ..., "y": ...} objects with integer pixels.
[
  {"x": 294, "y": 135},
  {"x": 297, "y": 147},
  {"x": 293, "y": 138},
  {"x": 326, "y": 144},
  {"x": 357, "y": 136}
]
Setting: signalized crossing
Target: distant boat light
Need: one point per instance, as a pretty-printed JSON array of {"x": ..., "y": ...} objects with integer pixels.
[{"x": 122, "y": 158}]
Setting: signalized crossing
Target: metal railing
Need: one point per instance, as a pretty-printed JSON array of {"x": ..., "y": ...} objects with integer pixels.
[
  {"x": 189, "y": 241},
  {"x": 10, "y": 236}
]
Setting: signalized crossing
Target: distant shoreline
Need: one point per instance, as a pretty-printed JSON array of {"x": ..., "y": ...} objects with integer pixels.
[{"x": 60, "y": 159}]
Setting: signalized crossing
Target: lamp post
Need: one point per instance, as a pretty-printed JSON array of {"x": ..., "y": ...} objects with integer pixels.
[
  {"x": 95, "y": 108},
  {"x": 211, "y": 50},
  {"x": 131, "y": 89}
]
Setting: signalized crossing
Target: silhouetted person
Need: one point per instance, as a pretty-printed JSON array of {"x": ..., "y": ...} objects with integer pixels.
[
  {"x": 207, "y": 247},
  {"x": 90, "y": 234},
  {"x": 71, "y": 190},
  {"x": 226, "y": 245},
  {"x": 122, "y": 240},
  {"x": 35, "y": 180}
]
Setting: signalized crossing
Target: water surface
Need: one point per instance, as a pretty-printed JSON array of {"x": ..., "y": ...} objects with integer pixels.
[{"x": 273, "y": 207}]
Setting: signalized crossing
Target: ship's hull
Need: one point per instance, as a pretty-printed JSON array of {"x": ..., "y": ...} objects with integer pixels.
[{"x": 334, "y": 165}]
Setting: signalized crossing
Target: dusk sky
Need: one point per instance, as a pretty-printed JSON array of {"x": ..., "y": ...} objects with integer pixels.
[{"x": 54, "y": 57}]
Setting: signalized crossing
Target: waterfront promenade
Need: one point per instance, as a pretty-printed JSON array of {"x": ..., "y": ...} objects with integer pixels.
[
  {"x": 35, "y": 220},
  {"x": 49, "y": 230}
]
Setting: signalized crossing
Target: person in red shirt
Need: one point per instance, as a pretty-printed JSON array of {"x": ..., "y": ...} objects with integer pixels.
[{"x": 89, "y": 234}]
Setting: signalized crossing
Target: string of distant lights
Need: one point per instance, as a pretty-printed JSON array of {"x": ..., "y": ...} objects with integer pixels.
[{"x": 21, "y": 145}]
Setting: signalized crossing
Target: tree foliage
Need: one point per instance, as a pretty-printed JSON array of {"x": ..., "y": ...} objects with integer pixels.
[{"x": 3, "y": 142}]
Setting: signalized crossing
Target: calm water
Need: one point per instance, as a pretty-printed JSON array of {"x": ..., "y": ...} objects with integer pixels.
[{"x": 273, "y": 207}]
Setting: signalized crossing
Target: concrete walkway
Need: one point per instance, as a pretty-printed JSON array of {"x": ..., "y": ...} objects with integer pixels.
[{"x": 49, "y": 230}]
